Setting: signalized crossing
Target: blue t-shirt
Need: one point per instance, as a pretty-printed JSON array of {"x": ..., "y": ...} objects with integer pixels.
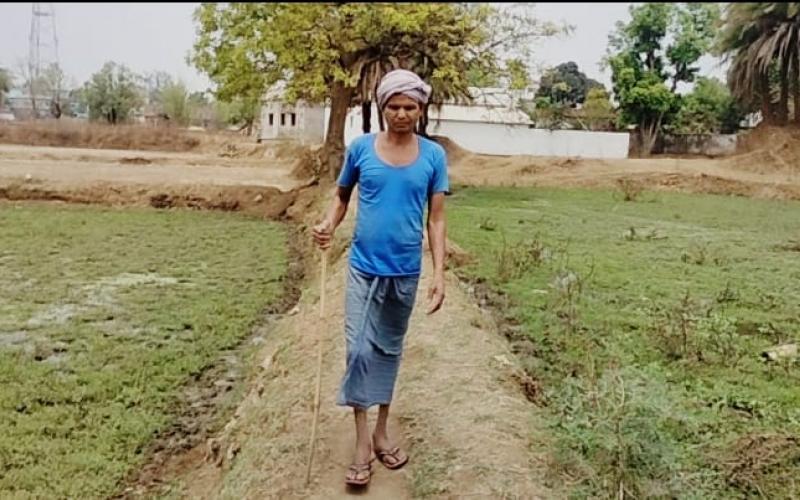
[{"x": 391, "y": 203}]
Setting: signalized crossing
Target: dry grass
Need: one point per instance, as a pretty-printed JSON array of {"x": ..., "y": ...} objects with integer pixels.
[
  {"x": 68, "y": 133},
  {"x": 757, "y": 462}
]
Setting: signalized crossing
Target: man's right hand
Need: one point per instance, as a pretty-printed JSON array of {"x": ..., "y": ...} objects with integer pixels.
[{"x": 323, "y": 234}]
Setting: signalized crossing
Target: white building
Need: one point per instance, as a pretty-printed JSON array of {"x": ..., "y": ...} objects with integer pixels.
[{"x": 302, "y": 121}]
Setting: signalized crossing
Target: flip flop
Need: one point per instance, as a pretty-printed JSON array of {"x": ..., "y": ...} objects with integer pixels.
[
  {"x": 355, "y": 470},
  {"x": 394, "y": 452}
]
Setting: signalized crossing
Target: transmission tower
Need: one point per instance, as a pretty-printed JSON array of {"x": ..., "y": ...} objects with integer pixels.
[{"x": 42, "y": 52}]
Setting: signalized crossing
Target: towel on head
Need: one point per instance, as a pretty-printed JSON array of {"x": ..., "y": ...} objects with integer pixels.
[{"x": 401, "y": 81}]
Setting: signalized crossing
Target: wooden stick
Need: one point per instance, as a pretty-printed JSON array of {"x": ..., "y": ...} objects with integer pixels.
[{"x": 313, "y": 442}]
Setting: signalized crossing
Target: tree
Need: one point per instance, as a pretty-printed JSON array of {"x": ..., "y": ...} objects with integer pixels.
[
  {"x": 544, "y": 113},
  {"x": 597, "y": 111},
  {"x": 6, "y": 83},
  {"x": 662, "y": 42},
  {"x": 153, "y": 85},
  {"x": 52, "y": 82},
  {"x": 566, "y": 84},
  {"x": 518, "y": 75},
  {"x": 48, "y": 83},
  {"x": 174, "y": 99},
  {"x": 77, "y": 102},
  {"x": 757, "y": 39},
  {"x": 339, "y": 52},
  {"x": 709, "y": 108},
  {"x": 111, "y": 93},
  {"x": 481, "y": 79},
  {"x": 202, "y": 111}
]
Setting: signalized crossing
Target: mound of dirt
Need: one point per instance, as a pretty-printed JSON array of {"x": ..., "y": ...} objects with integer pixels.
[
  {"x": 768, "y": 149},
  {"x": 74, "y": 134},
  {"x": 455, "y": 153},
  {"x": 308, "y": 164},
  {"x": 239, "y": 150},
  {"x": 291, "y": 150},
  {"x": 268, "y": 202},
  {"x": 136, "y": 160}
]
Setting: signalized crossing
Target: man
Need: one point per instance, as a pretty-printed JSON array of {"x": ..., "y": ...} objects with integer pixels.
[{"x": 398, "y": 174}]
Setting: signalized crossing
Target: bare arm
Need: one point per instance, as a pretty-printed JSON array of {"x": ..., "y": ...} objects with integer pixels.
[
  {"x": 323, "y": 232},
  {"x": 437, "y": 234}
]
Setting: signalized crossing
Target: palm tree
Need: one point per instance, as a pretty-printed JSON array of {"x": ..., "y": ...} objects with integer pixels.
[{"x": 756, "y": 37}]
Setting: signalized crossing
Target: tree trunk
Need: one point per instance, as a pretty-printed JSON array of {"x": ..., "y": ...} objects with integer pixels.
[
  {"x": 32, "y": 92},
  {"x": 377, "y": 81},
  {"x": 55, "y": 109},
  {"x": 648, "y": 133},
  {"x": 796, "y": 84},
  {"x": 366, "y": 116},
  {"x": 783, "y": 105},
  {"x": 766, "y": 101},
  {"x": 333, "y": 149},
  {"x": 422, "y": 125}
]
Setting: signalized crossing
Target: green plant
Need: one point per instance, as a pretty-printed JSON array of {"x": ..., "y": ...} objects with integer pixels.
[
  {"x": 615, "y": 439},
  {"x": 674, "y": 328},
  {"x": 516, "y": 259},
  {"x": 719, "y": 335}
]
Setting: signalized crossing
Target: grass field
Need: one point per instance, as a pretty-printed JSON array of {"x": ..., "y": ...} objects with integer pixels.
[
  {"x": 645, "y": 321},
  {"x": 104, "y": 316}
]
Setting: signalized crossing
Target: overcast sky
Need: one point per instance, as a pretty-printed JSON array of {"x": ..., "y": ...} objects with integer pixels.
[{"x": 147, "y": 37}]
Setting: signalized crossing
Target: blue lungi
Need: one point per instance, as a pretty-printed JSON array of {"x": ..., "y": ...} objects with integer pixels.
[{"x": 377, "y": 309}]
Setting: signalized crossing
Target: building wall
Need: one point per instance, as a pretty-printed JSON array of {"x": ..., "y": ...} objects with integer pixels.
[
  {"x": 268, "y": 131},
  {"x": 315, "y": 123},
  {"x": 700, "y": 144},
  {"x": 501, "y": 139},
  {"x": 308, "y": 125}
]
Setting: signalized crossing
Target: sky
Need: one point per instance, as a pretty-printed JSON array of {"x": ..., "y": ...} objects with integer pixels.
[{"x": 148, "y": 37}]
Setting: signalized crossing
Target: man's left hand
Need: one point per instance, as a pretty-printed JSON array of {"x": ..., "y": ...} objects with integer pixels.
[{"x": 436, "y": 295}]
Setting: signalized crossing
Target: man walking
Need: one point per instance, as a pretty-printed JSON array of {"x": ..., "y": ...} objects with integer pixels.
[{"x": 398, "y": 174}]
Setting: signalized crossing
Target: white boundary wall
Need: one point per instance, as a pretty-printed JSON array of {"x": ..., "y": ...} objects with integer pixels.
[{"x": 517, "y": 139}]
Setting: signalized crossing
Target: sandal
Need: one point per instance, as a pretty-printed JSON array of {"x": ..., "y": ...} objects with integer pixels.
[
  {"x": 355, "y": 470},
  {"x": 394, "y": 453}
]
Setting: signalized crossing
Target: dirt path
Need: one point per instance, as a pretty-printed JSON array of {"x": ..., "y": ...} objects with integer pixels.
[{"x": 468, "y": 428}]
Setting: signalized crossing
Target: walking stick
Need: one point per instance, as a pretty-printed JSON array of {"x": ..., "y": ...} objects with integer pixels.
[{"x": 312, "y": 443}]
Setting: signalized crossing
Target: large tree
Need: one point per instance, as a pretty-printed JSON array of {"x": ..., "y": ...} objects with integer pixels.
[
  {"x": 762, "y": 43},
  {"x": 112, "y": 93},
  {"x": 650, "y": 55},
  {"x": 337, "y": 52},
  {"x": 566, "y": 84},
  {"x": 709, "y": 108}
]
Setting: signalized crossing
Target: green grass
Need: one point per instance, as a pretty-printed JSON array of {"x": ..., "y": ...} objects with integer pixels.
[
  {"x": 648, "y": 341},
  {"x": 104, "y": 316}
]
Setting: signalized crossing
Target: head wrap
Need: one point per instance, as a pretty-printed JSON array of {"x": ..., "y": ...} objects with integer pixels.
[{"x": 401, "y": 81}]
